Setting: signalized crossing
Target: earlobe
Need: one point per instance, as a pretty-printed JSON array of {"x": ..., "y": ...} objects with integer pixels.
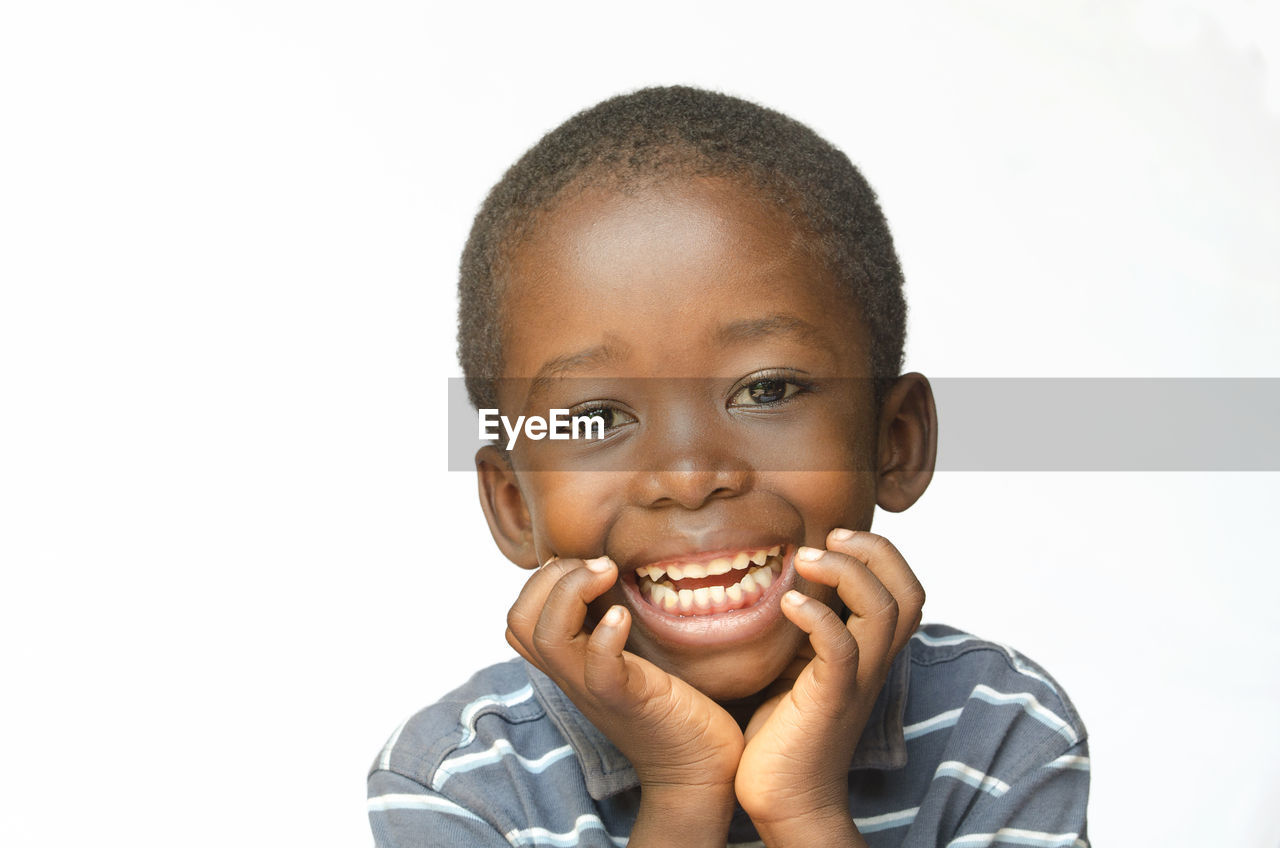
[
  {"x": 504, "y": 507},
  {"x": 908, "y": 442}
]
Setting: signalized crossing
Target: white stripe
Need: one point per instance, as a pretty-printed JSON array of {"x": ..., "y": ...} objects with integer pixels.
[
  {"x": 929, "y": 725},
  {"x": 1069, "y": 761},
  {"x": 499, "y": 749},
  {"x": 1018, "y": 661},
  {"x": 993, "y": 786},
  {"x": 868, "y": 824},
  {"x": 943, "y": 641},
  {"x": 885, "y": 821},
  {"x": 408, "y": 801},
  {"x": 951, "y": 717},
  {"x": 542, "y": 836},
  {"x": 384, "y": 762},
  {"x": 1030, "y": 706},
  {"x": 1022, "y": 668},
  {"x": 472, "y": 710},
  {"x": 1016, "y": 836}
]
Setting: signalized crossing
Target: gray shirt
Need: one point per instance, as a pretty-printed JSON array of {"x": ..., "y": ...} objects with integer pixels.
[{"x": 970, "y": 744}]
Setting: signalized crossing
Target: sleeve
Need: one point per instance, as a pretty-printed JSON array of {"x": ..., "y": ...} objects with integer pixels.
[
  {"x": 405, "y": 814},
  {"x": 1044, "y": 807}
]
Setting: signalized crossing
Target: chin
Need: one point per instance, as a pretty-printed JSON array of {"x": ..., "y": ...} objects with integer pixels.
[
  {"x": 735, "y": 678},
  {"x": 725, "y": 691}
]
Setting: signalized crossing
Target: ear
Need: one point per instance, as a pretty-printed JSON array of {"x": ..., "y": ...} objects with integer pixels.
[
  {"x": 908, "y": 442},
  {"x": 504, "y": 507}
]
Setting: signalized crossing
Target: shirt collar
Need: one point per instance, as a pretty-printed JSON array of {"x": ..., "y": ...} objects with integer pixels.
[{"x": 607, "y": 772}]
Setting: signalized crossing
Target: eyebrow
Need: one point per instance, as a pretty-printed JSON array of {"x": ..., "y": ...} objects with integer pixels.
[
  {"x": 591, "y": 357},
  {"x": 779, "y": 324}
]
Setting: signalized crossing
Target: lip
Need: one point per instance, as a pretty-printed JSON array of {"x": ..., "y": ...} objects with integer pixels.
[{"x": 721, "y": 628}]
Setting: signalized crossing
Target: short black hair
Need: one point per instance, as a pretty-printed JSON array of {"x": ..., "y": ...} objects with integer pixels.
[{"x": 678, "y": 131}]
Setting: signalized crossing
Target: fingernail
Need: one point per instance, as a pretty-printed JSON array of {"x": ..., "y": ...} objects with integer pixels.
[
  {"x": 808, "y": 554},
  {"x": 599, "y": 565},
  {"x": 794, "y": 598},
  {"x": 613, "y": 617},
  {"x": 840, "y": 534}
]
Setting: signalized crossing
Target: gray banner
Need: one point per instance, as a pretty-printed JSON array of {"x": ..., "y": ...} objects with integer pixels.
[{"x": 1052, "y": 424}]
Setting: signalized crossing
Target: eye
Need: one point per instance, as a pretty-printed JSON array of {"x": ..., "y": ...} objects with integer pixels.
[
  {"x": 583, "y": 418},
  {"x": 765, "y": 391}
]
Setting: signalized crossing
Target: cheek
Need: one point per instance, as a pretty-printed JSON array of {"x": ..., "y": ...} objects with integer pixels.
[
  {"x": 853, "y": 500},
  {"x": 826, "y": 500},
  {"x": 832, "y": 430},
  {"x": 571, "y": 512}
]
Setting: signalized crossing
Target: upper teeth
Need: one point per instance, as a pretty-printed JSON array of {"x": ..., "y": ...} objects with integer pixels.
[{"x": 719, "y": 565}]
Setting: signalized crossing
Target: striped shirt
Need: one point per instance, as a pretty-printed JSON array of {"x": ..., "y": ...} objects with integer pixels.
[{"x": 970, "y": 744}]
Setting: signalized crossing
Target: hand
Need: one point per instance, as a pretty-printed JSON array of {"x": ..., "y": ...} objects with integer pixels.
[
  {"x": 683, "y": 746},
  {"x": 793, "y": 776}
]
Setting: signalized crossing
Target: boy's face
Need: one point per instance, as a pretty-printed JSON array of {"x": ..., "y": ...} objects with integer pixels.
[{"x": 741, "y": 417}]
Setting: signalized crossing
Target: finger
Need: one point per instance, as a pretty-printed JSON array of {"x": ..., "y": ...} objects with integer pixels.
[
  {"x": 605, "y": 672},
  {"x": 889, "y": 566},
  {"x": 834, "y": 668},
  {"x": 524, "y": 613},
  {"x": 558, "y": 639},
  {"x": 873, "y": 611},
  {"x": 519, "y": 648}
]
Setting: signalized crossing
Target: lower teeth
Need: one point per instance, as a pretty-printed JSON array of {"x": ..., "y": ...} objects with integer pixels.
[{"x": 710, "y": 600}]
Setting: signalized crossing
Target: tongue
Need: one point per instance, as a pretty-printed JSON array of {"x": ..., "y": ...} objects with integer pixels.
[{"x": 726, "y": 580}]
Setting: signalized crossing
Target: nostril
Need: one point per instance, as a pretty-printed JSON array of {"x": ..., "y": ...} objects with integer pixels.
[{"x": 693, "y": 489}]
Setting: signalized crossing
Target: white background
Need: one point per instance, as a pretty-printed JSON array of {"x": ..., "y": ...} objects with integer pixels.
[{"x": 232, "y": 558}]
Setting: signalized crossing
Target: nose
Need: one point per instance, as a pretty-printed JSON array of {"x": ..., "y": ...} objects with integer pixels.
[
  {"x": 691, "y": 487},
  {"x": 691, "y": 462}
]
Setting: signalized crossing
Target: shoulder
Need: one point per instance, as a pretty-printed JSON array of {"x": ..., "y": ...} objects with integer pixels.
[
  {"x": 479, "y": 716},
  {"x": 988, "y": 694},
  {"x": 485, "y": 764},
  {"x": 994, "y": 746}
]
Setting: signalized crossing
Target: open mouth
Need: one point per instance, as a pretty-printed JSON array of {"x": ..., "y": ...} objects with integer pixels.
[{"x": 707, "y": 588}]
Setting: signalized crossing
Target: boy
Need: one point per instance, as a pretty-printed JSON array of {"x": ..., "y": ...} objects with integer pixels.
[{"x": 714, "y": 650}]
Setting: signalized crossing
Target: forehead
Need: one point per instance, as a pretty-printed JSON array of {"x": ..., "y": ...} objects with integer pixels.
[{"x": 662, "y": 270}]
